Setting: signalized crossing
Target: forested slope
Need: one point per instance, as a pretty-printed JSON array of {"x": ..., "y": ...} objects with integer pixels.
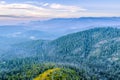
[{"x": 93, "y": 54}]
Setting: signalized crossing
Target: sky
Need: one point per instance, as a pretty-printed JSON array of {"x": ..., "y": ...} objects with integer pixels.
[{"x": 17, "y": 11}]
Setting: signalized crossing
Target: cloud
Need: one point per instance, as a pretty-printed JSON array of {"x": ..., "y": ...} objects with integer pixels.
[
  {"x": 13, "y": 16},
  {"x": 45, "y": 4},
  {"x": 32, "y": 10},
  {"x": 66, "y": 8},
  {"x": 43, "y": 11},
  {"x": 2, "y": 2}
]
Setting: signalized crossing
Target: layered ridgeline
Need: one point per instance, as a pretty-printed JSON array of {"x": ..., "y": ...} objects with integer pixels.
[{"x": 95, "y": 52}]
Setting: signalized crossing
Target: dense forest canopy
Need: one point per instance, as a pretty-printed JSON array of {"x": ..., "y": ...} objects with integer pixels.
[{"x": 91, "y": 54}]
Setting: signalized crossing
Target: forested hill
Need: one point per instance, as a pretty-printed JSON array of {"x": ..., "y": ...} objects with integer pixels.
[
  {"x": 89, "y": 42},
  {"x": 96, "y": 51}
]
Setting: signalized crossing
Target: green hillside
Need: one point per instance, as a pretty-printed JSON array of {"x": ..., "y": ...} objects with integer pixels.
[{"x": 93, "y": 53}]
